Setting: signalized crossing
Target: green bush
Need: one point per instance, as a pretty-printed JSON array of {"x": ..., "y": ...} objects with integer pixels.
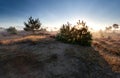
[
  {"x": 77, "y": 34},
  {"x": 12, "y": 30}
]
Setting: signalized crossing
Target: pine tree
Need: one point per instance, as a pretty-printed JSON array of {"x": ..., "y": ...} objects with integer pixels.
[
  {"x": 77, "y": 34},
  {"x": 32, "y": 25}
]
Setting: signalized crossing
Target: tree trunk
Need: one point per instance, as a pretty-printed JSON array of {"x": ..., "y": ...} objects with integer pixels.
[{"x": 33, "y": 31}]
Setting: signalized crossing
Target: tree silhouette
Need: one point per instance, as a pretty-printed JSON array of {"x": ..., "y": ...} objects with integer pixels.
[
  {"x": 108, "y": 28},
  {"x": 32, "y": 25},
  {"x": 115, "y": 26}
]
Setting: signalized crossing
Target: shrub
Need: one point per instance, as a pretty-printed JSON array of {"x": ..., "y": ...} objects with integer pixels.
[
  {"x": 12, "y": 30},
  {"x": 77, "y": 34}
]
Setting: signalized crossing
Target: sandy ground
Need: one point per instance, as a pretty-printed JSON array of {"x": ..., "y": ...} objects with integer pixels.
[{"x": 48, "y": 58}]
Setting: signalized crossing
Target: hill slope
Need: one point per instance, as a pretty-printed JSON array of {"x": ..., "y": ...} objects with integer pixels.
[{"x": 48, "y": 58}]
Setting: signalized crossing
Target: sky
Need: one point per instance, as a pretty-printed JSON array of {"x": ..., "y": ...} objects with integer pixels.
[{"x": 53, "y": 13}]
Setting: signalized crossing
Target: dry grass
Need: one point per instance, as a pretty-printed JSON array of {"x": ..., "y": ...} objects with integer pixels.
[
  {"x": 22, "y": 39},
  {"x": 110, "y": 50}
]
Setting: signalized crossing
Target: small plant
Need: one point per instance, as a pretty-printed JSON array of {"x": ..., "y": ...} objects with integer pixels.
[
  {"x": 77, "y": 34},
  {"x": 12, "y": 30}
]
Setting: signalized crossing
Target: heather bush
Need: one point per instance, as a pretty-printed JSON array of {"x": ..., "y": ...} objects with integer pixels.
[
  {"x": 78, "y": 34},
  {"x": 12, "y": 30}
]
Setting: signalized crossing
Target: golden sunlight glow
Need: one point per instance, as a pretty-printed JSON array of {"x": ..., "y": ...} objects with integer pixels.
[
  {"x": 97, "y": 28},
  {"x": 94, "y": 25},
  {"x": 91, "y": 25}
]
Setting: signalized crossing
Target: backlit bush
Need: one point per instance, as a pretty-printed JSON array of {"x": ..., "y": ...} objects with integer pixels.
[{"x": 78, "y": 34}]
